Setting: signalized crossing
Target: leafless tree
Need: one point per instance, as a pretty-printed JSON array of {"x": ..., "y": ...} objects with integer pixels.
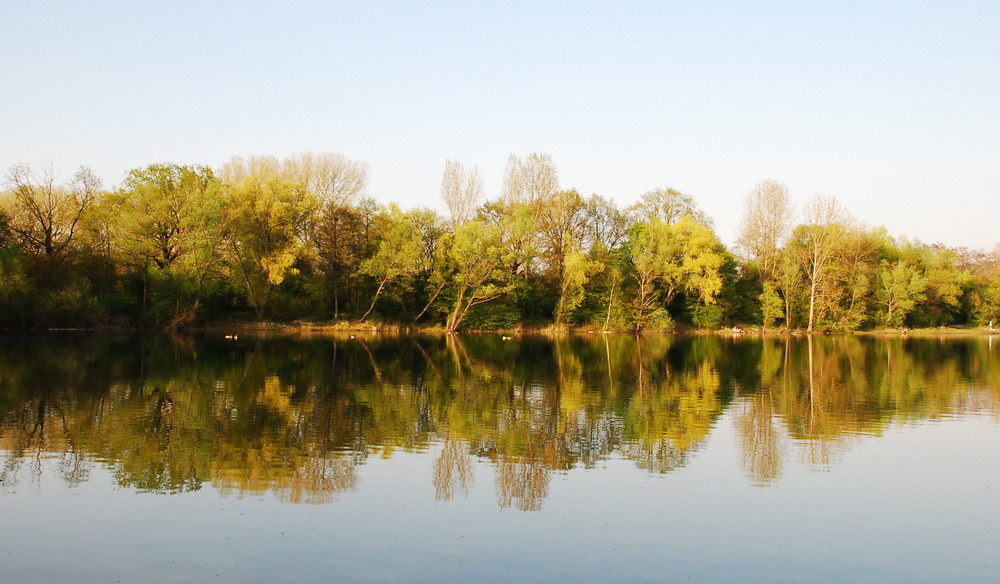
[
  {"x": 462, "y": 191},
  {"x": 46, "y": 215},
  {"x": 531, "y": 181},
  {"x": 767, "y": 220},
  {"x": 333, "y": 179}
]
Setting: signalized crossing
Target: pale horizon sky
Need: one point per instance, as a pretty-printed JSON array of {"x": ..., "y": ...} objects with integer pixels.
[{"x": 891, "y": 107}]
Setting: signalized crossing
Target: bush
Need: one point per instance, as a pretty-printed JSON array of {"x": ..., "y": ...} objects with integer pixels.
[{"x": 707, "y": 316}]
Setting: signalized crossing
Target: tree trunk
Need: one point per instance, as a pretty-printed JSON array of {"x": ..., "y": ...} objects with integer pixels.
[
  {"x": 372, "y": 307},
  {"x": 611, "y": 300},
  {"x": 812, "y": 299},
  {"x": 336, "y": 300},
  {"x": 431, "y": 301}
]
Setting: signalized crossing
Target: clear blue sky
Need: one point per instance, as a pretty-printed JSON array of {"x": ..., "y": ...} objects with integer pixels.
[{"x": 891, "y": 107}]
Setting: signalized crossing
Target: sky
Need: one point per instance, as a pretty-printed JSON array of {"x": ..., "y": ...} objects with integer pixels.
[{"x": 893, "y": 108}]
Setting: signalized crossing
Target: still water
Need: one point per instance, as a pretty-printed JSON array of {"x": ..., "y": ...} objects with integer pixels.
[{"x": 479, "y": 459}]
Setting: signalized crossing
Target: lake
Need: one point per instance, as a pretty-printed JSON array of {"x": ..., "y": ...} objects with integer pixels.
[{"x": 475, "y": 458}]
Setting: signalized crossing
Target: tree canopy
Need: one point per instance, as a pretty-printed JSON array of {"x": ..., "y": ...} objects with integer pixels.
[{"x": 300, "y": 239}]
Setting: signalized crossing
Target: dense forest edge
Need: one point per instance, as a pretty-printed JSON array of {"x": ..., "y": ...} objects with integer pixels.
[{"x": 297, "y": 242}]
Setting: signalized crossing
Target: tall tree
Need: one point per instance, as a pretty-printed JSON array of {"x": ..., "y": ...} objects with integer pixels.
[
  {"x": 946, "y": 280},
  {"x": 900, "y": 288},
  {"x": 771, "y": 305},
  {"x": 604, "y": 223},
  {"x": 333, "y": 179},
  {"x": 987, "y": 309},
  {"x": 156, "y": 205},
  {"x": 767, "y": 219},
  {"x": 819, "y": 238},
  {"x": 339, "y": 239},
  {"x": 399, "y": 253},
  {"x": 700, "y": 257},
  {"x": 670, "y": 257},
  {"x": 788, "y": 278},
  {"x": 266, "y": 226},
  {"x": 577, "y": 268},
  {"x": 560, "y": 227},
  {"x": 530, "y": 181},
  {"x": 462, "y": 191},
  {"x": 479, "y": 276},
  {"x": 46, "y": 216},
  {"x": 528, "y": 185},
  {"x": 167, "y": 219},
  {"x": 668, "y": 206},
  {"x": 647, "y": 267}
]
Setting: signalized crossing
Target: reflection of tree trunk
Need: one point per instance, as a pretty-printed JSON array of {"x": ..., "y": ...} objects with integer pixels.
[
  {"x": 607, "y": 351},
  {"x": 638, "y": 351},
  {"x": 762, "y": 455},
  {"x": 811, "y": 384},
  {"x": 560, "y": 368},
  {"x": 522, "y": 480},
  {"x": 371, "y": 358},
  {"x": 453, "y": 343},
  {"x": 336, "y": 298},
  {"x": 437, "y": 373},
  {"x": 453, "y": 470}
]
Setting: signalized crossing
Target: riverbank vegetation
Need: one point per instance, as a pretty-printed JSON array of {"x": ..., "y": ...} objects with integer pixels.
[{"x": 299, "y": 240}]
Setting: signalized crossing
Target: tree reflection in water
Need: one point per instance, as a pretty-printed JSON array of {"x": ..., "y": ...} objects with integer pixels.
[
  {"x": 296, "y": 416},
  {"x": 453, "y": 472}
]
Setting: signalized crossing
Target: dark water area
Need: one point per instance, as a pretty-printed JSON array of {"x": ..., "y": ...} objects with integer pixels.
[{"x": 477, "y": 458}]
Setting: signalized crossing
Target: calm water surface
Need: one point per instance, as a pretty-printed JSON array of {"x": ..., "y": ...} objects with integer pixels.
[{"x": 470, "y": 458}]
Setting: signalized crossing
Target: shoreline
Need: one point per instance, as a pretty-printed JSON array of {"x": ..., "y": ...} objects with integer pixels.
[{"x": 348, "y": 327}]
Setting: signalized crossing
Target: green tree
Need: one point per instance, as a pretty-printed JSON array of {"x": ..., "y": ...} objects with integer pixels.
[
  {"x": 577, "y": 269},
  {"x": 647, "y": 268},
  {"x": 166, "y": 223},
  {"x": 14, "y": 291},
  {"x": 399, "y": 253},
  {"x": 441, "y": 272},
  {"x": 266, "y": 220},
  {"x": 819, "y": 239},
  {"x": 560, "y": 227},
  {"x": 946, "y": 282},
  {"x": 700, "y": 257},
  {"x": 844, "y": 295},
  {"x": 479, "y": 276},
  {"x": 788, "y": 278},
  {"x": 339, "y": 239},
  {"x": 771, "y": 305},
  {"x": 900, "y": 288},
  {"x": 668, "y": 258}
]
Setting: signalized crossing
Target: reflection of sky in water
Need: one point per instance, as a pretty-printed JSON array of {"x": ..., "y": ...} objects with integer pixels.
[{"x": 918, "y": 503}]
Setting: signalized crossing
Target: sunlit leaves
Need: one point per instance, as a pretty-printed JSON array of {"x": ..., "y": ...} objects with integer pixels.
[
  {"x": 668, "y": 257},
  {"x": 900, "y": 288},
  {"x": 266, "y": 220}
]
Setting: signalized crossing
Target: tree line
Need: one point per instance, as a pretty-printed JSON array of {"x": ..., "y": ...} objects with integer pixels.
[{"x": 299, "y": 239}]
